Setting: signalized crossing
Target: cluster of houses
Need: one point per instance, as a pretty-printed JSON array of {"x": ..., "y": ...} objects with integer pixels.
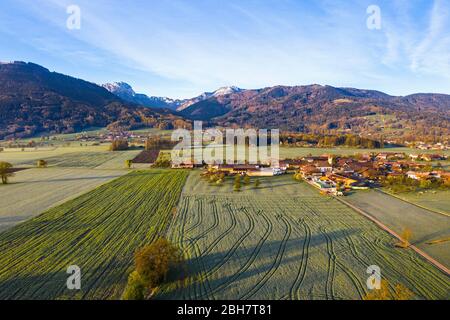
[
  {"x": 429, "y": 146},
  {"x": 120, "y": 135},
  {"x": 335, "y": 174}
]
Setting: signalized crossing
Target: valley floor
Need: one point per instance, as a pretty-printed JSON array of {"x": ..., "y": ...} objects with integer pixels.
[{"x": 280, "y": 240}]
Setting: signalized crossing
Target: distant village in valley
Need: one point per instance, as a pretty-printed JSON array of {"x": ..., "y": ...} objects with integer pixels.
[{"x": 330, "y": 173}]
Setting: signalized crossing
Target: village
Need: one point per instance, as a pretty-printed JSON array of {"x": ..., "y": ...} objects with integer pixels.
[{"x": 335, "y": 175}]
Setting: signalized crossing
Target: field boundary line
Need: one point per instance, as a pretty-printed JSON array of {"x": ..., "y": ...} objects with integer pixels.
[
  {"x": 393, "y": 233},
  {"x": 412, "y": 203}
]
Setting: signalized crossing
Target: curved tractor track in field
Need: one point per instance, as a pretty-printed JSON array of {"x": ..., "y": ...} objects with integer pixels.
[
  {"x": 294, "y": 291},
  {"x": 222, "y": 235},
  {"x": 329, "y": 289},
  {"x": 199, "y": 219},
  {"x": 274, "y": 266},
  {"x": 204, "y": 277},
  {"x": 236, "y": 245},
  {"x": 252, "y": 258}
]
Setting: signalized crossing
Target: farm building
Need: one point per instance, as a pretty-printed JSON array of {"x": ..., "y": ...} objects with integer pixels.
[
  {"x": 182, "y": 166},
  {"x": 265, "y": 172},
  {"x": 325, "y": 185}
]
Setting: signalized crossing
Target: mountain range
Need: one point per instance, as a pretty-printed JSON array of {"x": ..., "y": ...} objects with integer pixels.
[
  {"x": 34, "y": 100},
  {"x": 126, "y": 92},
  {"x": 328, "y": 110}
]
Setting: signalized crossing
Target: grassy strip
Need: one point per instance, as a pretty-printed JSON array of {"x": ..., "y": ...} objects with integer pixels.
[{"x": 415, "y": 204}]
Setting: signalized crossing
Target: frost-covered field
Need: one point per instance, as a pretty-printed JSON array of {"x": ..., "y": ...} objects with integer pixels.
[
  {"x": 285, "y": 241},
  {"x": 33, "y": 191},
  {"x": 69, "y": 157},
  {"x": 426, "y": 226},
  {"x": 31, "y": 155}
]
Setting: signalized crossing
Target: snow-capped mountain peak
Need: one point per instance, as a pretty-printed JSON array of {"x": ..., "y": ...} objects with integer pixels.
[
  {"x": 206, "y": 95},
  {"x": 125, "y": 91},
  {"x": 226, "y": 90},
  {"x": 120, "y": 88}
]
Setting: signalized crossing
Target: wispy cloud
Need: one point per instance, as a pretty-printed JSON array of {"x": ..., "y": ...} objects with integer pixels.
[
  {"x": 434, "y": 50},
  {"x": 200, "y": 45},
  {"x": 421, "y": 47}
]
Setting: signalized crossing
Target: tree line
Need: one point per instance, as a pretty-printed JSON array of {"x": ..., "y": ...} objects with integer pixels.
[{"x": 348, "y": 140}]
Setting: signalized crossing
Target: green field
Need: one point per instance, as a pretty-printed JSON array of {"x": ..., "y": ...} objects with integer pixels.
[
  {"x": 285, "y": 241},
  {"x": 98, "y": 231},
  {"x": 425, "y": 225}
]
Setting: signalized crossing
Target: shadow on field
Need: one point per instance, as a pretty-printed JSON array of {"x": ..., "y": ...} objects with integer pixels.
[
  {"x": 276, "y": 185},
  {"x": 258, "y": 262},
  {"x": 70, "y": 179},
  {"x": 96, "y": 282},
  {"x": 441, "y": 234}
]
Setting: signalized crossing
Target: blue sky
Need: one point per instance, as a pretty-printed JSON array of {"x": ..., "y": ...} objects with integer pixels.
[{"x": 181, "y": 48}]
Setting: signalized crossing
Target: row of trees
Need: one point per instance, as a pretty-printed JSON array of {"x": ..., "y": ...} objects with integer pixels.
[
  {"x": 218, "y": 178},
  {"x": 401, "y": 184},
  {"x": 246, "y": 181},
  {"x": 158, "y": 143},
  {"x": 348, "y": 140}
]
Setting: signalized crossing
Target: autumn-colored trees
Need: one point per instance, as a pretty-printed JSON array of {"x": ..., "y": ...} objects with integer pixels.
[
  {"x": 237, "y": 183},
  {"x": 5, "y": 171},
  {"x": 348, "y": 140},
  {"x": 118, "y": 145},
  {"x": 399, "y": 292},
  {"x": 128, "y": 163},
  {"x": 152, "y": 265},
  {"x": 41, "y": 164},
  {"x": 405, "y": 238}
]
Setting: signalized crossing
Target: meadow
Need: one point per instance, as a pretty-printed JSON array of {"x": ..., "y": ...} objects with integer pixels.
[
  {"x": 294, "y": 152},
  {"x": 98, "y": 231},
  {"x": 426, "y": 226},
  {"x": 434, "y": 200},
  {"x": 32, "y": 191},
  {"x": 66, "y": 157},
  {"x": 284, "y": 240}
]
